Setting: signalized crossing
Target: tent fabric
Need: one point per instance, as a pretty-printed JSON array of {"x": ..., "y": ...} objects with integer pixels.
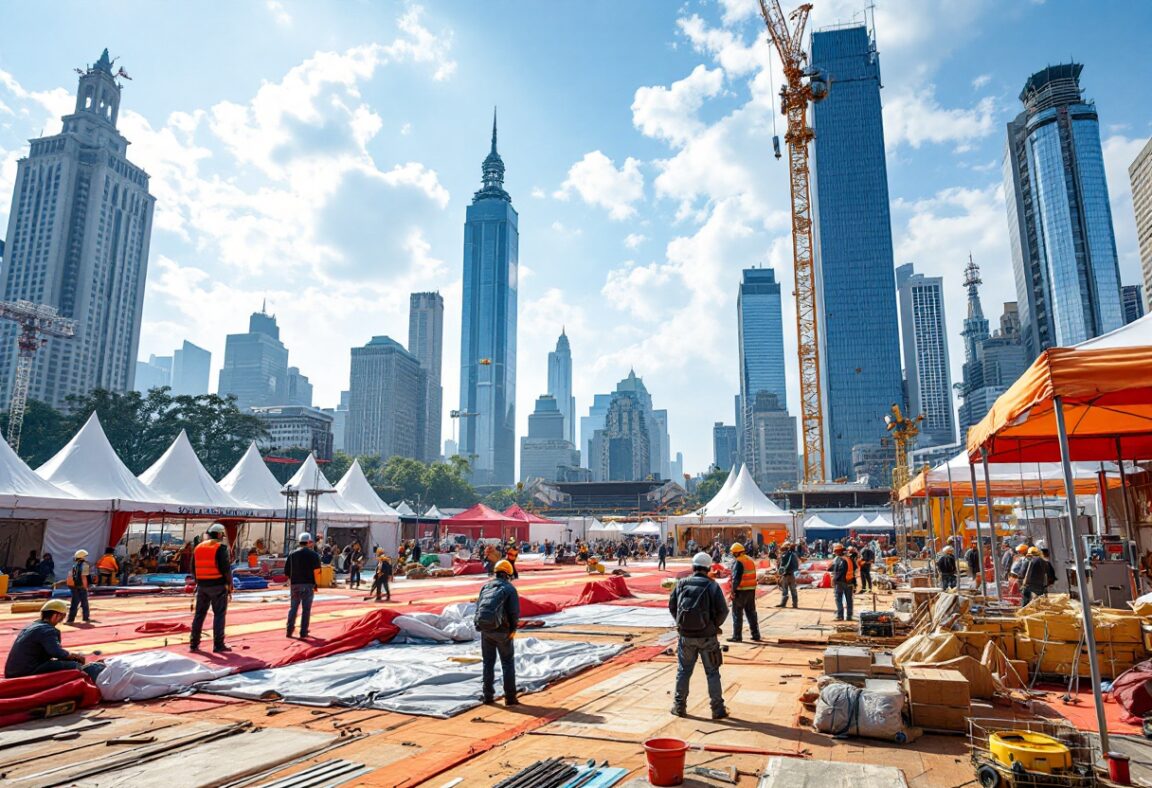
[
  {"x": 486, "y": 523},
  {"x": 18, "y": 481},
  {"x": 596, "y": 591},
  {"x": 179, "y": 476},
  {"x": 251, "y": 483},
  {"x": 1009, "y": 479},
  {"x": 1107, "y": 394},
  {"x": 606, "y": 615},
  {"x": 740, "y": 503},
  {"x": 516, "y": 512},
  {"x": 88, "y": 467},
  {"x": 354, "y": 488},
  {"x": 19, "y": 697},
  {"x": 151, "y": 674},
  {"x": 433, "y": 513},
  {"x": 435, "y": 681},
  {"x": 404, "y": 510},
  {"x": 309, "y": 478}
]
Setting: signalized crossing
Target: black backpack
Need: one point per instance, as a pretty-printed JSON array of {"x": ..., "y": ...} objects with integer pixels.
[
  {"x": 692, "y": 608},
  {"x": 490, "y": 615}
]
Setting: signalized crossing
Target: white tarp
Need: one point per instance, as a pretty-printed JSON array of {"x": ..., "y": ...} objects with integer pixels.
[
  {"x": 250, "y": 482},
  {"x": 610, "y": 616},
  {"x": 453, "y": 624},
  {"x": 433, "y": 681},
  {"x": 179, "y": 476},
  {"x": 151, "y": 674}
]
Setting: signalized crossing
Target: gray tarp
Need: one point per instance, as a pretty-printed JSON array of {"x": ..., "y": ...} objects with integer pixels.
[
  {"x": 411, "y": 679},
  {"x": 610, "y": 616}
]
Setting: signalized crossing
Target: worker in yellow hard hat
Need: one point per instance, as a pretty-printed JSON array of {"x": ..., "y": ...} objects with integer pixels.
[
  {"x": 77, "y": 581},
  {"x": 510, "y": 555},
  {"x": 1037, "y": 576},
  {"x": 497, "y": 617},
  {"x": 37, "y": 648},
  {"x": 743, "y": 594}
]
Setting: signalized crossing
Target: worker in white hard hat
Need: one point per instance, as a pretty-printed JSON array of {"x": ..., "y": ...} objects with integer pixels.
[
  {"x": 947, "y": 567},
  {"x": 698, "y": 607},
  {"x": 303, "y": 570},
  {"x": 77, "y": 581},
  {"x": 38, "y": 649},
  {"x": 212, "y": 570}
]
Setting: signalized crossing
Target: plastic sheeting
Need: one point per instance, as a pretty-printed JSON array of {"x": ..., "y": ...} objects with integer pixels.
[
  {"x": 453, "y": 624},
  {"x": 610, "y": 616},
  {"x": 150, "y": 674},
  {"x": 432, "y": 681}
]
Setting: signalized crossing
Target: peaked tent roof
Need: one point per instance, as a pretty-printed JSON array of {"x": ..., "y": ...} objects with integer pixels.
[
  {"x": 882, "y": 519},
  {"x": 1009, "y": 479},
  {"x": 479, "y": 514},
  {"x": 860, "y": 522},
  {"x": 250, "y": 482},
  {"x": 354, "y": 488},
  {"x": 180, "y": 476},
  {"x": 88, "y": 467},
  {"x": 308, "y": 477},
  {"x": 20, "y": 481},
  {"x": 433, "y": 513},
  {"x": 741, "y": 500},
  {"x": 516, "y": 512},
  {"x": 404, "y": 510}
]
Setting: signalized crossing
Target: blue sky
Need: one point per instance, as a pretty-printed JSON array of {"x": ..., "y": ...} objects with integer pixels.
[{"x": 321, "y": 155}]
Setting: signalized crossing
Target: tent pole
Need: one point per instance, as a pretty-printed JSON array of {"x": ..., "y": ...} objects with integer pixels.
[
  {"x": 991, "y": 517},
  {"x": 1130, "y": 532},
  {"x": 952, "y": 504},
  {"x": 1102, "y": 484},
  {"x": 1081, "y": 579},
  {"x": 976, "y": 515}
]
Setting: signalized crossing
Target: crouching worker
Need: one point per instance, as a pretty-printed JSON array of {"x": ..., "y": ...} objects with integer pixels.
[
  {"x": 37, "y": 649},
  {"x": 698, "y": 607},
  {"x": 497, "y": 616}
]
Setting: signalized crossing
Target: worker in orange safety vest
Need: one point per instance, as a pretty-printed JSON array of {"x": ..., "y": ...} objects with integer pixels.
[
  {"x": 743, "y": 594},
  {"x": 212, "y": 570}
]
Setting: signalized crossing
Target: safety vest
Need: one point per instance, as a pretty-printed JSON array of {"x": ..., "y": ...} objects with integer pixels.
[
  {"x": 748, "y": 579},
  {"x": 512, "y": 554},
  {"x": 107, "y": 563},
  {"x": 850, "y": 575},
  {"x": 77, "y": 576},
  {"x": 204, "y": 561}
]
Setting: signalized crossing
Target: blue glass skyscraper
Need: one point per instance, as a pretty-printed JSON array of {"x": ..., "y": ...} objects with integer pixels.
[
  {"x": 761, "y": 332},
  {"x": 1059, "y": 218},
  {"x": 860, "y": 345},
  {"x": 488, "y": 332}
]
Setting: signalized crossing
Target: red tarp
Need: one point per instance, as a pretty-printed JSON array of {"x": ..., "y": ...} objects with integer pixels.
[
  {"x": 18, "y": 697},
  {"x": 163, "y": 628},
  {"x": 1132, "y": 690},
  {"x": 374, "y": 626},
  {"x": 461, "y": 567},
  {"x": 516, "y": 513}
]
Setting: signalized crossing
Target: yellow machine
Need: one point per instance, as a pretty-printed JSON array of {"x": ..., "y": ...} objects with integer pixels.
[{"x": 1035, "y": 752}]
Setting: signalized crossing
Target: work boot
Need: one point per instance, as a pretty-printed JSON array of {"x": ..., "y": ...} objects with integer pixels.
[
  {"x": 782, "y": 604},
  {"x": 194, "y": 648},
  {"x": 303, "y": 635},
  {"x": 678, "y": 711},
  {"x": 221, "y": 649},
  {"x": 511, "y": 701},
  {"x": 720, "y": 714},
  {"x": 735, "y": 640},
  {"x": 289, "y": 633}
]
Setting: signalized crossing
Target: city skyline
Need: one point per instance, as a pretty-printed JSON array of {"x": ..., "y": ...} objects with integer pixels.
[{"x": 611, "y": 256}]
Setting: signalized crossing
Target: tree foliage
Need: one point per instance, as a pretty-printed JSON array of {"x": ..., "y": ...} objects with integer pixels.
[
  {"x": 710, "y": 485},
  {"x": 43, "y": 434},
  {"x": 403, "y": 478},
  {"x": 502, "y": 499}
]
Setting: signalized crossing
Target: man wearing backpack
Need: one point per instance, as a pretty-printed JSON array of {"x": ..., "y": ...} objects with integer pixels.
[
  {"x": 496, "y": 619},
  {"x": 698, "y": 607}
]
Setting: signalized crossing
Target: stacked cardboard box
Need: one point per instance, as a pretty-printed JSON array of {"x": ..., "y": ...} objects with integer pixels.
[
  {"x": 939, "y": 699},
  {"x": 1052, "y": 641},
  {"x": 847, "y": 659}
]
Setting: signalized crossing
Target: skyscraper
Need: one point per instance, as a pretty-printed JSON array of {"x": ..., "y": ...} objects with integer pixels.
[
  {"x": 1133, "y": 303},
  {"x": 154, "y": 373},
  {"x": 656, "y": 426},
  {"x": 761, "y": 334},
  {"x": 488, "y": 330},
  {"x": 1140, "y": 173},
  {"x": 299, "y": 391},
  {"x": 589, "y": 425},
  {"x": 924, "y": 333},
  {"x": 774, "y": 437},
  {"x": 860, "y": 346},
  {"x": 623, "y": 447},
  {"x": 255, "y": 367},
  {"x": 724, "y": 452},
  {"x": 191, "y": 369},
  {"x": 560, "y": 384},
  {"x": 545, "y": 449},
  {"x": 426, "y": 342},
  {"x": 78, "y": 236},
  {"x": 1059, "y": 216},
  {"x": 387, "y": 393}
]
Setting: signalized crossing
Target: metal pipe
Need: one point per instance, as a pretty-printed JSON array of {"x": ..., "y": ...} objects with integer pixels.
[
  {"x": 1081, "y": 575},
  {"x": 976, "y": 514},
  {"x": 991, "y": 517},
  {"x": 952, "y": 503},
  {"x": 1103, "y": 527}
]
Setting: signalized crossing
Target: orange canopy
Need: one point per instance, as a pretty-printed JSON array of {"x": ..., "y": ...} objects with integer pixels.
[
  {"x": 1107, "y": 396},
  {"x": 1009, "y": 479}
]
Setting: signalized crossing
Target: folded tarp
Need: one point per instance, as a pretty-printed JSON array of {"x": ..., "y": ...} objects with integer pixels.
[
  {"x": 453, "y": 624},
  {"x": 432, "y": 681},
  {"x": 611, "y": 616},
  {"x": 24, "y": 698},
  {"x": 150, "y": 674}
]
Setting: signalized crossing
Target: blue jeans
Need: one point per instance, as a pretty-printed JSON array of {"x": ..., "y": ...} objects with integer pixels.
[
  {"x": 301, "y": 594},
  {"x": 843, "y": 592},
  {"x": 493, "y": 644},
  {"x": 947, "y": 581},
  {"x": 708, "y": 651},
  {"x": 79, "y": 599}
]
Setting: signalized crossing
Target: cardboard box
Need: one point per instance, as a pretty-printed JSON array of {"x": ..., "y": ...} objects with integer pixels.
[
  {"x": 919, "y": 581},
  {"x": 941, "y": 718},
  {"x": 885, "y": 686},
  {"x": 883, "y": 666},
  {"x": 847, "y": 659},
  {"x": 936, "y": 687}
]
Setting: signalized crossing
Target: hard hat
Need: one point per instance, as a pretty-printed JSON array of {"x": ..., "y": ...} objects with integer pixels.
[
  {"x": 837, "y": 548},
  {"x": 80, "y": 555},
  {"x": 379, "y": 551},
  {"x": 1033, "y": 551},
  {"x": 702, "y": 560},
  {"x": 786, "y": 545},
  {"x": 305, "y": 537},
  {"x": 947, "y": 549},
  {"x": 216, "y": 529},
  {"x": 736, "y": 548},
  {"x": 1022, "y": 549},
  {"x": 504, "y": 566},
  {"x": 55, "y": 606}
]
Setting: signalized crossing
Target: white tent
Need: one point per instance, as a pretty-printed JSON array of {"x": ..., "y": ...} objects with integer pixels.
[
  {"x": 741, "y": 503},
  {"x": 882, "y": 521},
  {"x": 404, "y": 510},
  {"x": 251, "y": 483},
  {"x": 433, "y": 513},
  {"x": 331, "y": 506},
  {"x": 859, "y": 522},
  {"x": 179, "y": 476},
  {"x": 647, "y": 528},
  {"x": 357, "y": 493}
]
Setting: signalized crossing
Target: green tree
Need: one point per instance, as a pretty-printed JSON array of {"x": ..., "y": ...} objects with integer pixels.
[
  {"x": 42, "y": 434},
  {"x": 446, "y": 484},
  {"x": 710, "y": 485},
  {"x": 502, "y": 499},
  {"x": 285, "y": 462}
]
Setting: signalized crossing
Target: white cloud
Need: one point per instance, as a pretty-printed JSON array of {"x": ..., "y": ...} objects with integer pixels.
[
  {"x": 669, "y": 113},
  {"x": 914, "y": 117},
  {"x": 598, "y": 182},
  {"x": 279, "y": 12},
  {"x": 981, "y": 81},
  {"x": 633, "y": 240},
  {"x": 538, "y": 193},
  {"x": 564, "y": 230}
]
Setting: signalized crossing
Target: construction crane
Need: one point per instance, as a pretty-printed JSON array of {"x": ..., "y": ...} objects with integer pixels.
[
  {"x": 802, "y": 85},
  {"x": 904, "y": 432},
  {"x": 37, "y": 322}
]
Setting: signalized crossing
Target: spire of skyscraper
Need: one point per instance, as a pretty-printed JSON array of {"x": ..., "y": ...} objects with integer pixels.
[
  {"x": 493, "y": 172},
  {"x": 975, "y": 325}
]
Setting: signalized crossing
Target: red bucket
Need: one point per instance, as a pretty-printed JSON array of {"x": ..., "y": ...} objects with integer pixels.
[
  {"x": 1118, "y": 768},
  {"x": 666, "y": 760}
]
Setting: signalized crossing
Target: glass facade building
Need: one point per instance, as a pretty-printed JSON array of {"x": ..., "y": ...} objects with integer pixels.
[
  {"x": 255, "y": 367},
  {"x": 560, "y": 384},
  {"x": 426, "y": 342},
  {"x": 488, "y": 330},
  {"x": 856, "y": 297},
  {"x": 924, "y": 335},
  {"x": 1060, "y": 220}
]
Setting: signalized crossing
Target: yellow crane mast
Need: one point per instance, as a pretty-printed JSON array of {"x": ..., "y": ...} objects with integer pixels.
[{"x": 802, "y": 85}]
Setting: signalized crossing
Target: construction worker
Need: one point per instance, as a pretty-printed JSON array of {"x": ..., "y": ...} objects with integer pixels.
[
  {"x": 786, "y": 568},
  {"x": 867, "y": 557},
  {"x": 491, "y": 558},
  {"x": 946, "y": 565},
  {"x": 842, "y": 583},
  {"x": 78, "y": 584},
  {"x": 212, "y": 570},
  {"x": 37, "y": 648},
  {"x": 1038, "y": 575},
  {"x": 662, "y": 556},
  {"x": 303, "y": 570},
  {"x": 510, "y": 555},
  {"x": 743, "y": 594},
  {"x": 595, "y": 566},
  {"x": 382, "y": 576},
  {"x": 854, "y": 559},
  {"x": 972, "y": 558},
  {"x": 698, "y": 607},
  {"x": 497, "y": 617},
  {"x": 354, "y": 562},
  {"x": 107, "y": 567}
]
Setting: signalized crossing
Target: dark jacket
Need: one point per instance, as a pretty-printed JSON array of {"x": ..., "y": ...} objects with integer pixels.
[
  {"x": 702, "y": 593},
  {"x": 662, "y": 552},
  {"x": 36, "y": 644},
  {"x": 1039, "y": 573},
  {"x": 973, "y": 559},
  {"x": 384, "y": 569},
  {"x": 301, "y": 566},
  {"x": 946, "y": 563},
  {"x": 789, "y": 563},
  {"x": 840, "y": 569},
  {"x": 511, "y": 599}
]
